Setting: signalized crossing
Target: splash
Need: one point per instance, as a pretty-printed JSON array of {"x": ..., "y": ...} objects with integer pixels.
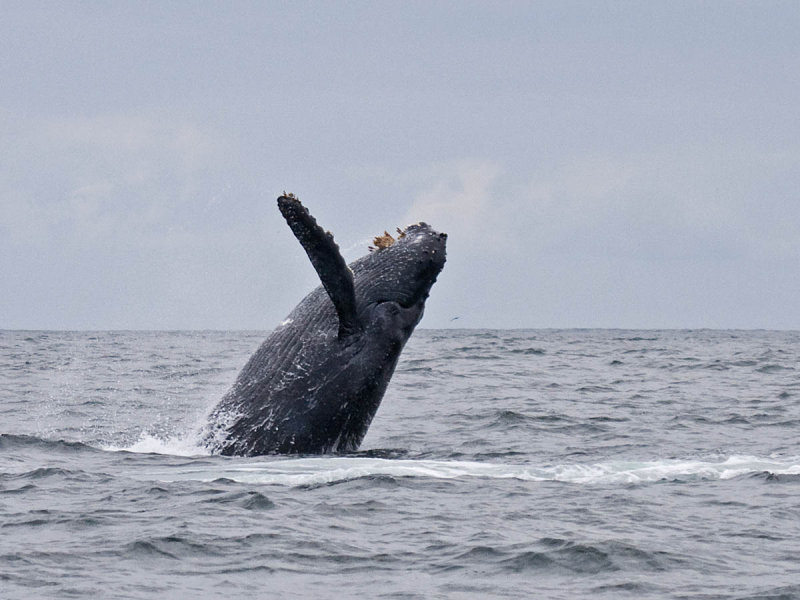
[{"x": 147, "y": 443}]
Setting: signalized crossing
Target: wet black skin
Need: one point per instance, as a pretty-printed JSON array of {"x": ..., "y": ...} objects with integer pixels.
[{"x": 316, "y": 382}]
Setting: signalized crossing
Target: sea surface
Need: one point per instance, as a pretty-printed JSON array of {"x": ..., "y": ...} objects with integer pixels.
[{"x": 501, "y": 464}]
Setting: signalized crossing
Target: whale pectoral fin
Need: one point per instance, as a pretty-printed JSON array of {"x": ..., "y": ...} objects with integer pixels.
[{"x": 336, "y": 276}]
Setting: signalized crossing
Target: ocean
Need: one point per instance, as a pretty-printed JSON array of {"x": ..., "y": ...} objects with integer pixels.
[{"x": 502, "y": 464}]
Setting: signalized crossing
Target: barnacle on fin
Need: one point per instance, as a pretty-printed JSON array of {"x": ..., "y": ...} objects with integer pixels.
[
  {"x": 382, "y": 241},
  {"x": 289, "y": 195}
]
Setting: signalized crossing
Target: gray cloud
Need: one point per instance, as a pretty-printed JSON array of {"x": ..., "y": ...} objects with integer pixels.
[{"x": 595, "y": 164}]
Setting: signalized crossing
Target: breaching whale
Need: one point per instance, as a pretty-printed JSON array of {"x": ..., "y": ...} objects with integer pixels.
[{"x": 316, "y": 382}]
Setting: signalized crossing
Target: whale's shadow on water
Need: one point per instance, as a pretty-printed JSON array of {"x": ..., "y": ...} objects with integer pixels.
[{"x": 316, "y": 382}]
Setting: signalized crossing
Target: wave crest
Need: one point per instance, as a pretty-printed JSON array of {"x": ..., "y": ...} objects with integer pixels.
[{"x": 327, "y": 470}]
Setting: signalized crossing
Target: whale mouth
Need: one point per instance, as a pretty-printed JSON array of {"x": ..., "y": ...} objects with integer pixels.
[
  {"x": 405, "y": 303},
  {"x": 411, "y": 303}
]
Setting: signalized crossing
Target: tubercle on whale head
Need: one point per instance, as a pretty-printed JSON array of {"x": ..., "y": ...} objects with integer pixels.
[{"x": 381, "y": 242}]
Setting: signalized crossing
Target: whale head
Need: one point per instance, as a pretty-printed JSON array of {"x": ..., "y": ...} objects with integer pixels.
[{"x": 403, "y": 270}]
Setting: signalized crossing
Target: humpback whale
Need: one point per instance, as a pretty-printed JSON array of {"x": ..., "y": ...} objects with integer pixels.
[{"x": 315, "y": 383}]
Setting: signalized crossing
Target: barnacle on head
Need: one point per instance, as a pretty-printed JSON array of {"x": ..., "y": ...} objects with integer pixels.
[
  {"x": 289, "y": 195},
  {"x": 382, "y": 241}
]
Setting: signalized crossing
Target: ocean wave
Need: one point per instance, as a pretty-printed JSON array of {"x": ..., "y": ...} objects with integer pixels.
[
  {"x": 309, "y": 471},
  {"x": 10, "y": 442}
]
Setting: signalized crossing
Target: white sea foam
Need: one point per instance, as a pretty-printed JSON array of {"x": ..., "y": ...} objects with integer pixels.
[
  {"x": 149, "y": 444},
  {"x": 315, "y": 471}
]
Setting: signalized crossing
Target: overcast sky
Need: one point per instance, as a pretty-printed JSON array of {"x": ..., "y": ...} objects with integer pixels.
[{"x": 595, "y": 164}]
